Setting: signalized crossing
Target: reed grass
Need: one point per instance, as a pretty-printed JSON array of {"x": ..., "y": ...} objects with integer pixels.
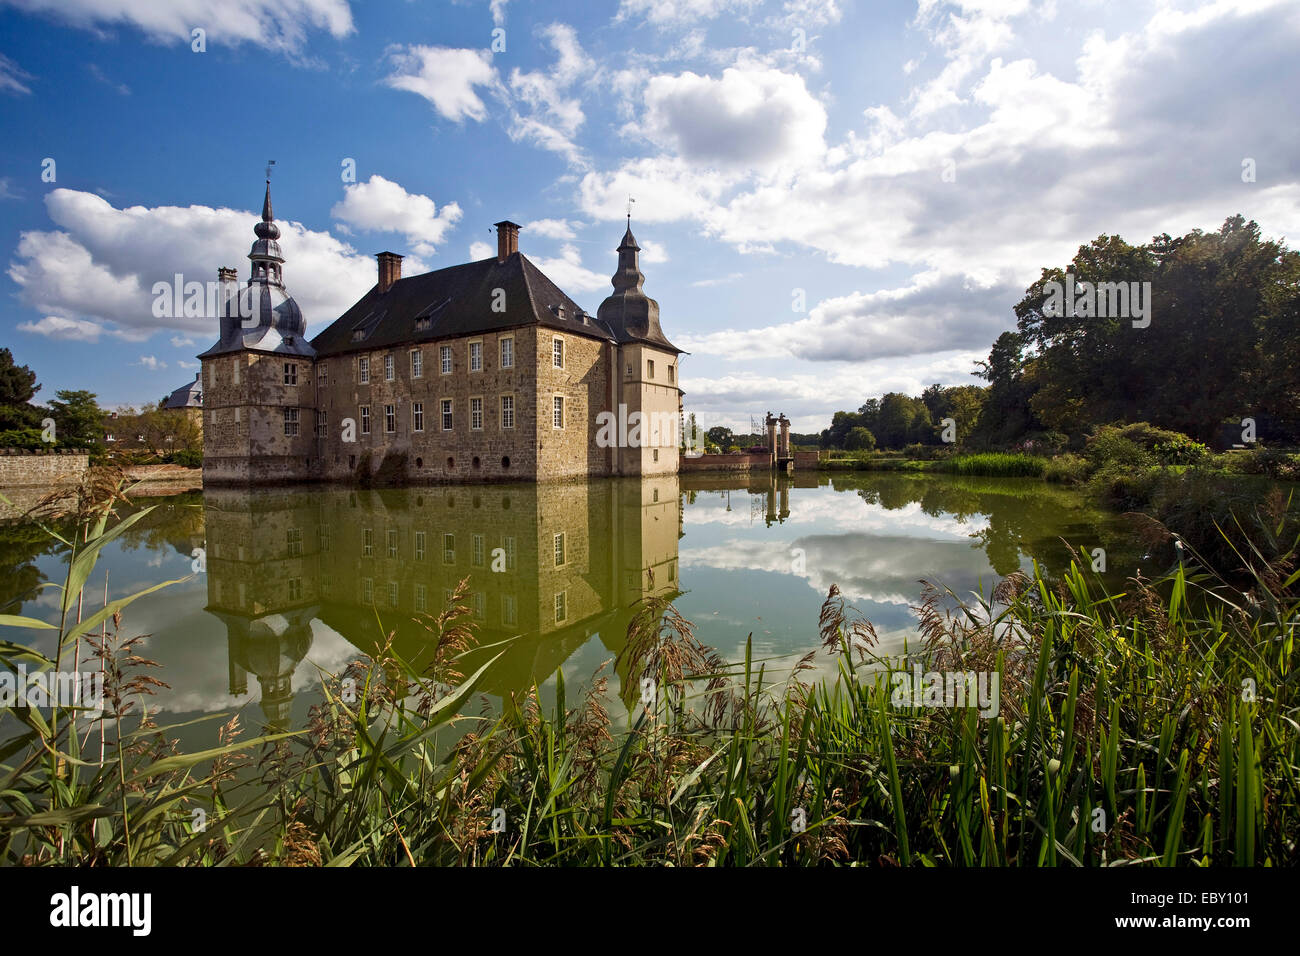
[{"x": 1156, "y": 726}]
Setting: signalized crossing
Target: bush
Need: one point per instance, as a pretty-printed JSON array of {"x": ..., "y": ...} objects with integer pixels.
[
  {"x": 1109, "y": 447},
  {"x": 1271, "y": 462},
  {"x": 186, "y": 457},
  {"x": 1066, "y": 469}
]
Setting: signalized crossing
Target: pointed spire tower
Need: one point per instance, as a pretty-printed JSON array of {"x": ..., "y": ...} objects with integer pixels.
[{"x": 629, "y": 313}]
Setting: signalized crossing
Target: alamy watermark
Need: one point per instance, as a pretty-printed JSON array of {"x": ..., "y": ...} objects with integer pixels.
[
  {"x": 22, "y": 688},
  {"x": 1102, "y": 300},
  {"x": 948, "y": 689}
]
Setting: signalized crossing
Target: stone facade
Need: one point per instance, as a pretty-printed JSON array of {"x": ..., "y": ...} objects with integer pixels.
[{"x": 412, "y": 384}]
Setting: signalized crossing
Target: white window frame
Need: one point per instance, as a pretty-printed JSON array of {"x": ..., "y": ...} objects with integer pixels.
[
  {"x": 445, "y": 409},
  {"x": 390, "y": 419},
  {"x": 475, "y": 351},
  {"x": 508, "y": 414},
  {"x": 557, "y": 351},
  {"x": 417, "y": 416},
  {"x": 507, "y": 345},
  {"x": 557, "y": 411},
  {"x": 291, "y": 373},
  {"x": 364, "y": 415},
  {"x": 417, "y": 363},
  {"x": 561, "y": 549},
  {"x": 363, "y": 370},
  {"x": 390, "y": 367},
  {"x": 446, "y": 363},
  {"x": 291, "y": 422},
  {"x": 473, "y": 411}
]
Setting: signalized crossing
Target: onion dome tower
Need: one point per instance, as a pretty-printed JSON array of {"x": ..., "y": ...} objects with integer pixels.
[
  {"x": 630, "y": 314},
  {"x": 263, "y": 315}
]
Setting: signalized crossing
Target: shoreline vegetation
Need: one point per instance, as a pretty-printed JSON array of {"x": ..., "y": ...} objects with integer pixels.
[{"x": 1152, "y": 726}]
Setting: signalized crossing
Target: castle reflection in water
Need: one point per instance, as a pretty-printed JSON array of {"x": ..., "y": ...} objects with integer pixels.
[{"x": 550, "y": 567}]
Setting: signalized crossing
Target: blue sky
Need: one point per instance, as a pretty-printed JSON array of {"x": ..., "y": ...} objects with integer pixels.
[{"x": 901, "y": 169}]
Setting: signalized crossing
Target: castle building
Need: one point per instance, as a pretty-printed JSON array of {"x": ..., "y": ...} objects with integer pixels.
[{"x": 476, "y": 372}]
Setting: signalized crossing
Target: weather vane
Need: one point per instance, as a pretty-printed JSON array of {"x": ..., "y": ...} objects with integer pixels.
[
  {"x": 630, "y": 200},
  {"x": 269, "y": 164}
]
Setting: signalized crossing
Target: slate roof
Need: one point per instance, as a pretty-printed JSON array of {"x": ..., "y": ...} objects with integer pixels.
[
  {"x": 189, "y": 395},
  {"x": 458, "y": 301}
]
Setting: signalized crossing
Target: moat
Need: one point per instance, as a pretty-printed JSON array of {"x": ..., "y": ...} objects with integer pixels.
[{"x": 278, "y": 586}]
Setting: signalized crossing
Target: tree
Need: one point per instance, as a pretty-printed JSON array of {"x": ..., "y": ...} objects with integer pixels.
[
  {"x": 78, "y": 419},
  {"x": 720, "y": 435},
  {"x": 17, "y": 388},
  {"x": 860, "y": 439}
]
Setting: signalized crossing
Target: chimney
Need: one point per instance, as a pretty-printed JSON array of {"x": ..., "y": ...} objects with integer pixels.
[
  {"x": 390, "y": 270},
  {"x": 507, "y": 239},
  {"x": 226, "y": 274}
]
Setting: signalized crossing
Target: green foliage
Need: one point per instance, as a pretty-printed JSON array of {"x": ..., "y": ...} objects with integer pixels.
[
  {"x": 17, "y": 388},
  {"x": 995, "y": 465},
  {"x": 1066, "y": 469},
  {"x": 186, "y": 457},
  {"x": 860, "y": 439},
  {"x": 1110, "y": 447}
]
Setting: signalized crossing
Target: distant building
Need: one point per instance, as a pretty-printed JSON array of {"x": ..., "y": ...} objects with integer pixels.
[
  {"x": 480, "y": 371},
  {"x": 188, "y": 399}
]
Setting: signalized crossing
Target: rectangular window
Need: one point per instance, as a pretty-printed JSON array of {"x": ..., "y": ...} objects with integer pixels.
[
  {"x": 321, "y": 423},
  {"x": 655, "y": 453},
  {"x": 367, "y": 542},
  {"x": 392, "y": 544},
  {"x": 323, "y": 536},
  {"x": 293, "y": 538},
  {"x": 561, "y": 607},
  {"x": 446, "y": 414},
  {"x": 557, "y": 411},
  {"x": 367, "y": 590},
  {"x": 476, "y": 414},
  {"x": 507, "y": 411},
  {"x": 557, "y": 352},
  {"x": 423, "y": 324},
  {"x": 421, "y": 598},
  {"x": 363, "y": 370},
  {"x": 508, "y": 545},
  {"x": 509, "y": 615},
  {"x": 479, "y": 600},
  {"x": 476, "y": 550},
  {"x": 390, "y": 419},
  {"x": 365, "y": 419},
  {"x": 559, "y": 550},
  {"x": 629, "y": 370},
  {"x": 476, "y": 356},
  {"x": 671, "y": 372},
  {"x": 322, "y": 373},
  {"x": 389, "y": 371},
  {"x": 295, "y": 589},
  {"x": 290, "y": 373},
  {"x": 417, "y": 363},
  {"x": 417, "y": 416},
  {"x": 234, "y": 370},
  {"x": 444, "y": 356},
  {"x": 291, "y": 422},
  {"x": 392, "y": 594},
  {"x": 508, "y": 352},
  {"x": 448, "y": 549},
  {"x": 649, "y": 369},
  {"x": 419, "y": 545}
]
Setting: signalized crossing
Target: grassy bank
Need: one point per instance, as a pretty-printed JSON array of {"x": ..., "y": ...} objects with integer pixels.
[{"x": 1154, "y": 726}]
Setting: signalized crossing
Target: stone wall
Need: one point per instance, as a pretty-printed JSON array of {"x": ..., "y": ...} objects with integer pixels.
[
  {"x": 21, "y": 468},
  {"x": 739, "y": 461}
]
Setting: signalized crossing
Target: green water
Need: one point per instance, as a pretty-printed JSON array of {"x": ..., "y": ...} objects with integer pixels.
[{"x": 296, "y": 582}]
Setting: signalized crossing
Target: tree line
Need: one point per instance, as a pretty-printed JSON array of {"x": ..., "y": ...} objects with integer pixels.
[{"x": 1211, "y": 351}]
